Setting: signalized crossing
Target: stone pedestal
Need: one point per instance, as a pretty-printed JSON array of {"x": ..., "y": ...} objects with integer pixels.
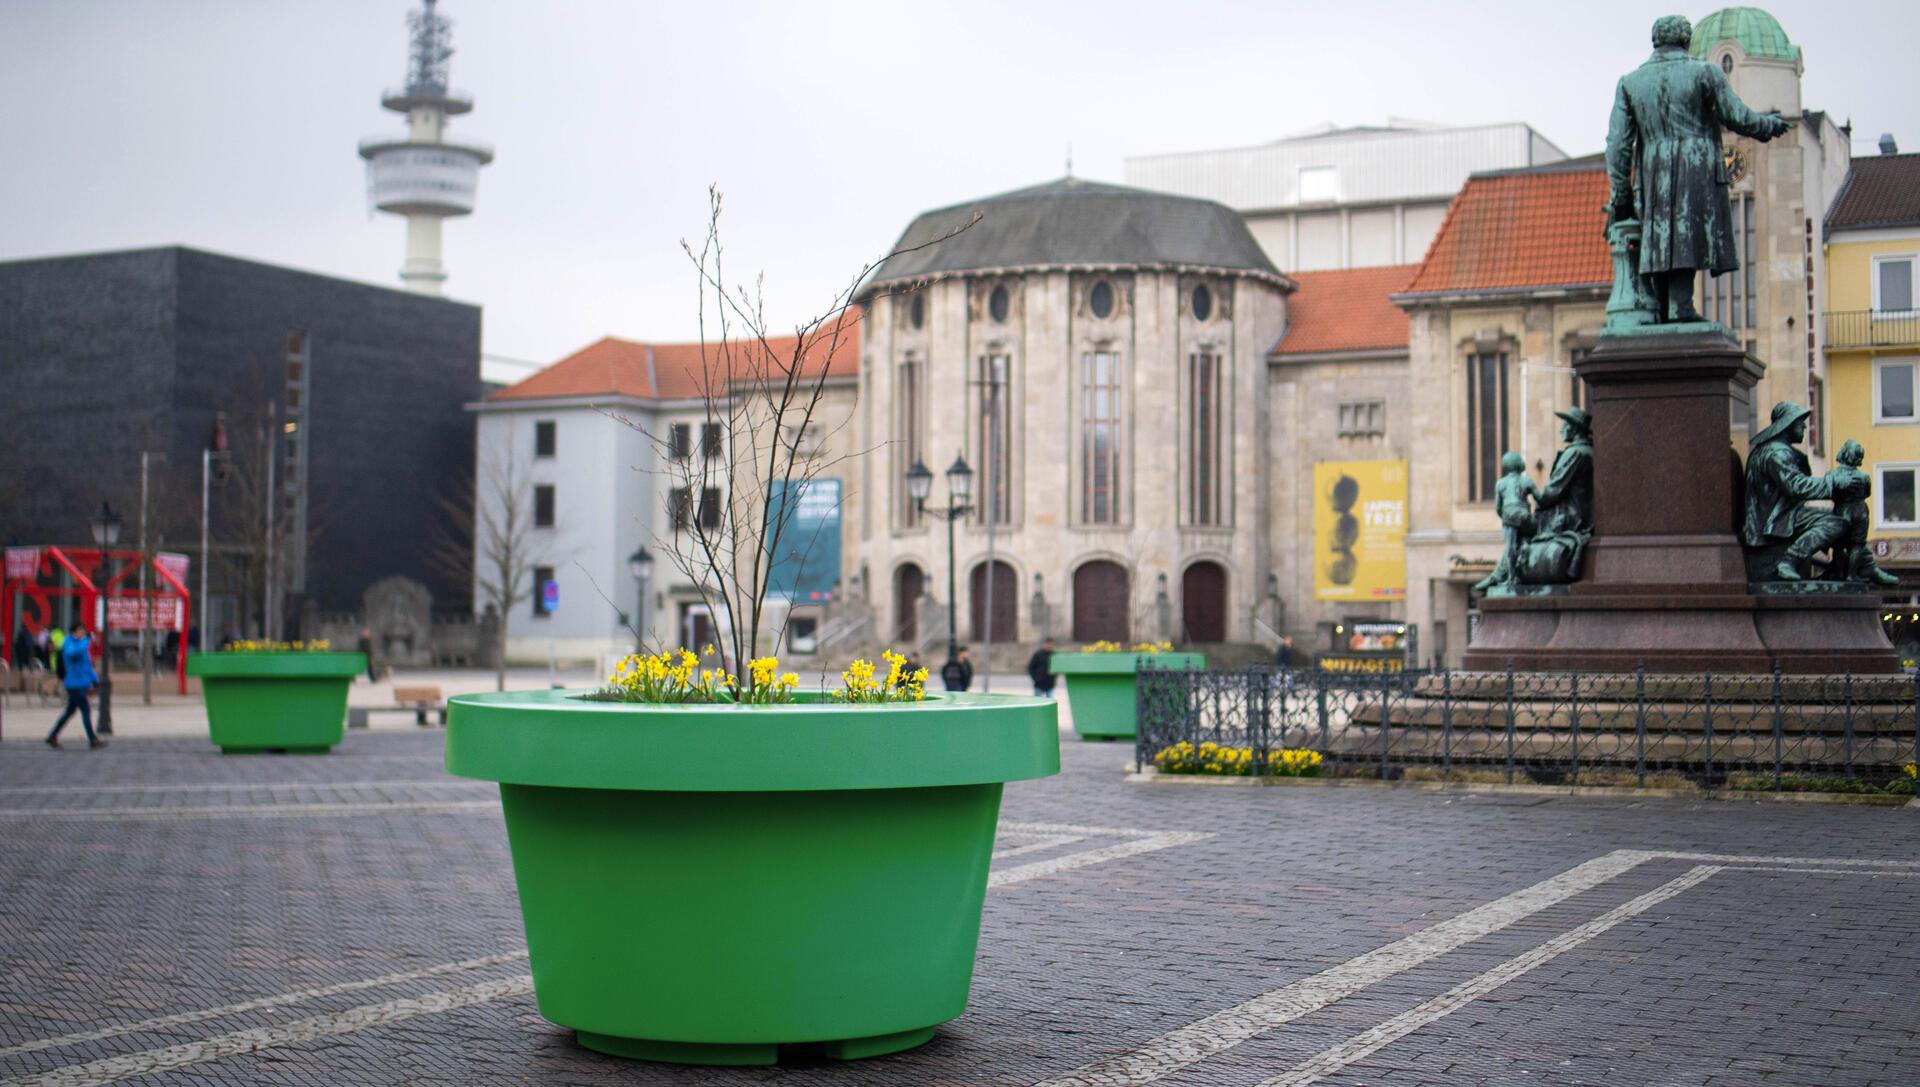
[{"x": 1665, "y": 583}]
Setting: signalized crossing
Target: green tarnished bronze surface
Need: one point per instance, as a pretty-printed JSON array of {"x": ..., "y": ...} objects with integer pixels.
[{"x": 1666, "y": 171}]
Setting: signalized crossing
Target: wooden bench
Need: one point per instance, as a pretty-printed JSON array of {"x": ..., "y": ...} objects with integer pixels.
[{"x": 417, "y": 700}]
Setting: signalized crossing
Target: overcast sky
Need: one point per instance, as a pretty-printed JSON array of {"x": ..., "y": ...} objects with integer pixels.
[{"x": 232, "y": 125}]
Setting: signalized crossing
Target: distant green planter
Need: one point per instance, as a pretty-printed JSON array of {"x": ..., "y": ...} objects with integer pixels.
[
  {"x": 709, "y": 884},
  {"x": 294, "y": 702},
  {"x": 1100, "y": 688}
]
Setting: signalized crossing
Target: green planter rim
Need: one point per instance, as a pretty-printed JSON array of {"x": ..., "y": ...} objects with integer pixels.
[
  {"x": 558, "y": 738},
  {"x": 1090, "y": 664},
  {"x": 272, "y": 665}
]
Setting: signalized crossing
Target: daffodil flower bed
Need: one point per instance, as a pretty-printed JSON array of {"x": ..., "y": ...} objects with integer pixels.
[
  {"x": 1104, "y": 646},
  {"x": 675, "y": 677},
  {"x": 1212, "y": 758},
  {"x": 863, "y": 686},
  {"x": 249, "y": 646}
]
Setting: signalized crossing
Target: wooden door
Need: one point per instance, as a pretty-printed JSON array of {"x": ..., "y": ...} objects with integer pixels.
[
  {"x": 909, "y": 583},
  {"x": 1203, "y": 602},
  {"x": 1102, "y": 605},
  {"x": 1005, "y": 606}
]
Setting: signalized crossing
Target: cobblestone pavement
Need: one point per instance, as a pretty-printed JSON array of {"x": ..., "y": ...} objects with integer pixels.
[{"x": 170, "y": 915}]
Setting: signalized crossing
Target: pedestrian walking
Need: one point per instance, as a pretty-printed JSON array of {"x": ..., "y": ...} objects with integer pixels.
[
  {"x": 1283, "y": 656},
  {"x": 1040, "y": 669},
  {"x": 366, "y": 647},
  {"x": 23, "y": 648},
  {"x": 76, "y": 655},
  {"x": 957, "y": 673},
  {"x": 55, "y": 641}
]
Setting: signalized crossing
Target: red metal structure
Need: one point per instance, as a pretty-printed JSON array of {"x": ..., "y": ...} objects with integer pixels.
[{"x": 34, "y": 578}]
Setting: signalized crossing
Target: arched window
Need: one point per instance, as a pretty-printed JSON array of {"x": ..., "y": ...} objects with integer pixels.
[
  {"x": 1100, "y": 435},
  {"x": 1207, "y": 471},
  {"x": 1203, "y": 602},
  {"x": 1102, "y": 604},
  {"x": 1004, "y": 594}
]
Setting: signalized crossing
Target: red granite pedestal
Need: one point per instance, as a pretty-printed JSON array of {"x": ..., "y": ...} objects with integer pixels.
[{"x": 1665, "y": 579}]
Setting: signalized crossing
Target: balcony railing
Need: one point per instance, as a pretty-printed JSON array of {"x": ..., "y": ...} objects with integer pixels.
[{"x": 1873, "y": 328}]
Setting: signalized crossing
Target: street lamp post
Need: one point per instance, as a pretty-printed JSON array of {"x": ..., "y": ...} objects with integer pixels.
[
  {"x": 641, "y": 564},
  {"x": 959, "y": 490},
  {"x": 106, "y": 533}
]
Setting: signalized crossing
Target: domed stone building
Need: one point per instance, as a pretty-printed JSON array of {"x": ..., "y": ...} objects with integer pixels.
[{"x": 1098, "y": 356}]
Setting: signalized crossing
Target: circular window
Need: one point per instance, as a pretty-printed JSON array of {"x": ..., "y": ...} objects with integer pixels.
[
  {"x": 1726, "y": 63},
  {"x": 1100, "y": 300},
  {"x": 917, "y": 311},
  {"x": 997, "y": 304},
  {"x": 1202, "y": 303}
]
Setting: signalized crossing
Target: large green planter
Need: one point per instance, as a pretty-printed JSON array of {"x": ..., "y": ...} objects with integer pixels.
[
  {"x": 1100, "y": 688},
  {"x": 295, "y": 702},
  {"x": 709, "y": 884}
]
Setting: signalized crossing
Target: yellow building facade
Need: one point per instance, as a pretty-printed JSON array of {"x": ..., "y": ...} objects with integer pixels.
[{"x": 1872, "y": 334}]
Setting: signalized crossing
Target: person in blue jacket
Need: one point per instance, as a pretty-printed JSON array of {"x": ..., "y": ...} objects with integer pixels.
[{"x": 76, "y": 655}]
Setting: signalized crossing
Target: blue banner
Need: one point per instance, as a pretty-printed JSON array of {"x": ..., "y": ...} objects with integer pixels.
[{"x": 804, "y": 566}]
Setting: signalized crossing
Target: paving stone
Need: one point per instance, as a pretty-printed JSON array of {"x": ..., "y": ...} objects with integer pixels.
[{"x": 153, "y": 883}]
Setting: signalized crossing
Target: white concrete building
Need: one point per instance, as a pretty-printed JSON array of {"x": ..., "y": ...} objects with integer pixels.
[
  {"x": 610, "y": 452},
  {"x": 1345, "y": 197}
]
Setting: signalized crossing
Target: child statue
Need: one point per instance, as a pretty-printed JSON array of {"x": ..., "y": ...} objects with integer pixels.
[
  {"x": 1513, "y": 498},
  {"x": 1851, "y": 489}
]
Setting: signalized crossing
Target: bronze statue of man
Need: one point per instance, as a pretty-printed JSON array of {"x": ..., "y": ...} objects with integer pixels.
[
  {"x": 1780, "y": 483},
  {"x": 1666, "y": 170}
]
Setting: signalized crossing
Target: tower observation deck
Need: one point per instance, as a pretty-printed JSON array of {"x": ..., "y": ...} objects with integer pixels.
[{"x": 423, "y": 175}]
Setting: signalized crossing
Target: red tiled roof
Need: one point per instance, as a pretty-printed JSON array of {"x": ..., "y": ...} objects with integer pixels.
[
  {"x": 1880, "y": 191},
  {"x": 1350, "y": 309},
  {"x": 675, "y": 371},
  {"x": 1519, "y": 229}
]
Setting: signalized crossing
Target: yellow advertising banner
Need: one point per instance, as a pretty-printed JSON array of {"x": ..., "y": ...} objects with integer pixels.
[{"x": 1360, "y": 530}]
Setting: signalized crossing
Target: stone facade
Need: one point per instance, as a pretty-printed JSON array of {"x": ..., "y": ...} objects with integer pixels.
[{"x": 920, "y": 383}]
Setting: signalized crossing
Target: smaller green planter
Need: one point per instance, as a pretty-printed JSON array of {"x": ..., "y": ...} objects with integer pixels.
[
  {"x": 293, "y": 702},
  {"x": 1100, "y": 688}
]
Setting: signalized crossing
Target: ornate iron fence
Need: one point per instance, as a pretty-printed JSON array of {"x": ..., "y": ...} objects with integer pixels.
[{"x": 1547, "y": 727}]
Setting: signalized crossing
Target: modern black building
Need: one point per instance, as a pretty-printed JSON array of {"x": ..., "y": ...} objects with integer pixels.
[{"x": 340, "y": 404}]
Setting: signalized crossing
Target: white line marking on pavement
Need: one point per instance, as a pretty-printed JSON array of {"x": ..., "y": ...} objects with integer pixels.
[
  {"x": 1044, "y": 841},
  {"x": 1075, "y": 828},
  {"x": 1740, "y": 858},
  {"x": 211, "y": 786},
  {"x": 250, "y": 811},
  {"x": 1054, "y": 865},
  {"x": 260, "y": 1003},
  {"x": 110, "y": 1069},
  {"x": 1374, "y": 1039},
  {"x": 1223, "y": 1030},
  {"x": 1870, "y": 873}
]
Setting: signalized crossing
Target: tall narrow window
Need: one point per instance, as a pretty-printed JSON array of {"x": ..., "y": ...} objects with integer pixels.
[
  {"x": 543, "y": 506},
  {"x": 1205, "y": 488},
  {"x": 709, "y": 507},
  {"x": 1100, "y": 438},
  {"x": 680, "y": 507},
  {"x": 1486, "y": 422},
  {"x": 994, "y": 440},
  {"x": 710, "y": 439},
  {"x": 543, "y": 438},
  {"x": 1747, "y": 261},
  {"x": 906, "y": 436},
  {"x": 680, "y": 440}
]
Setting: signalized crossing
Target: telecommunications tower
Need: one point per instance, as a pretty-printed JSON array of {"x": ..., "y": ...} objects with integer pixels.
[{"x": 423, "y": 175}]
